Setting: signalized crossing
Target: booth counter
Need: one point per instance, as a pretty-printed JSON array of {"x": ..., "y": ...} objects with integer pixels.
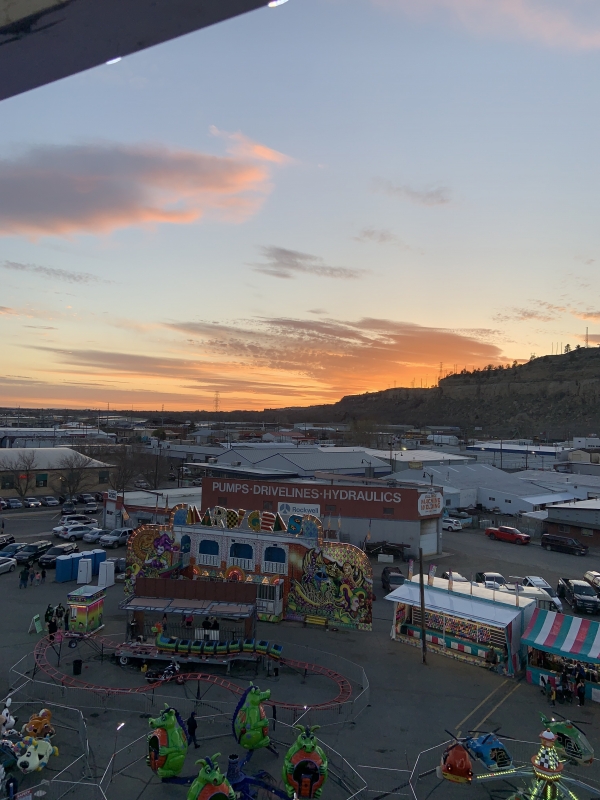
[
  {"x": 557, "y": 642},
  {"x": 469, "y": 628}
]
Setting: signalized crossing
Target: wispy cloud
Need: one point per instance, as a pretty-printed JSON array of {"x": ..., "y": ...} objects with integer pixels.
[
  {"x": 561, "y": 23},
  {"x": 99, "y": 188},
  {"x": 53, "y": 273},
  {"x": 242, "y": 146},
  {"x": 432, "y": 196},
  {"x": 378, "y": 236},
  {"x": 537, "y": 310},
  {"x": 5, "y": 311},
  {"x": 282, "y": 263}
]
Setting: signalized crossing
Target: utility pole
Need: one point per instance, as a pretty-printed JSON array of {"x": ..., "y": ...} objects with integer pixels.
[
  {"x": 422, "y": 594},
  {"x": 587, "y": 341}
]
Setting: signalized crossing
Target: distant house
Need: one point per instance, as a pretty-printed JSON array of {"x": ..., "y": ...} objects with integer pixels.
[{"x": 39, "y": 471}]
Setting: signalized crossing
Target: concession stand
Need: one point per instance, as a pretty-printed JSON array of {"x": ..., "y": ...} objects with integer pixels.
[
  {"x": 464, "y": 626},
  {"x": 558, "y": 643}
]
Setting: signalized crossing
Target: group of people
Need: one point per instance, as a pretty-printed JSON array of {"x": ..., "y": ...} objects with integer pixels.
[
  {"x": 56, "y": 618},
  {"x": 34, "y": 576},
  {"x": 571, "y": 683}
]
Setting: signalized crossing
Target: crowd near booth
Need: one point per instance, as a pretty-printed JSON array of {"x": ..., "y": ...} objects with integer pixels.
[
  {"x": 469, "y": 623},
  {"x": 558, "y": 644}
]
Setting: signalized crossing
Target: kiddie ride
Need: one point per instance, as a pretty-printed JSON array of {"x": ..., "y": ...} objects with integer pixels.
[
  {"x": 27, "y": 750},
  {"x": 559, "y": 738},
  {"x": 305, "y": 766}
]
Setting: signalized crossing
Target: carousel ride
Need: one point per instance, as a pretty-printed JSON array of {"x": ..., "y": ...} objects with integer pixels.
[
  {"x": 305, "y": 766},
  {"x": 561, "y": 743}
]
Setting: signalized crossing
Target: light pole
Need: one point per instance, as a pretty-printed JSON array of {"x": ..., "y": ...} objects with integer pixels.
[{"x": 114, "y": 755}]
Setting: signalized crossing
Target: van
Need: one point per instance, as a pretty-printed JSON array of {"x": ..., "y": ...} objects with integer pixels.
[
  {"x": 542, "y": 598},
  {"x": 593, "y": 578},
  {"x": 563, "y": 544}
]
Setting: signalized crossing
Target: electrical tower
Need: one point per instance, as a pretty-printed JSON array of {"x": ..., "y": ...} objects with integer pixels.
[{"x": 217, "y": 401}]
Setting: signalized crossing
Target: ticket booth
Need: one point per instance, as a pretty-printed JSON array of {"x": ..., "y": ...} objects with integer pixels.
[{"x": 86, "y": 610}]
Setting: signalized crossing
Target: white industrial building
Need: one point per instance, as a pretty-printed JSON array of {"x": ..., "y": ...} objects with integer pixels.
[{"x": 473, "y": 485}]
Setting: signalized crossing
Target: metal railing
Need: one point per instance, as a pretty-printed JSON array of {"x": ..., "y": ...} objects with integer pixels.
[{"x": 275, "y": 567}]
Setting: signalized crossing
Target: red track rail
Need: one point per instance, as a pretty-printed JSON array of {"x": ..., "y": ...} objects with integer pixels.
[{"x": 42, "y": 663}]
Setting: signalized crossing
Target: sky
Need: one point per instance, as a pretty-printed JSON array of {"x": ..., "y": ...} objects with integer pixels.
[{"x": 320, "y": 199}]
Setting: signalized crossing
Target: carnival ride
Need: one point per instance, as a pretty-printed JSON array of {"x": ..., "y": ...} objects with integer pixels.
[{"x": 305, "y": 768}]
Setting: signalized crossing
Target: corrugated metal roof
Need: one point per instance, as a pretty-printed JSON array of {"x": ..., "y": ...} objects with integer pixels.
[
  {"x": 318, "y": 459},
  {"x": 45, "y": 457}
]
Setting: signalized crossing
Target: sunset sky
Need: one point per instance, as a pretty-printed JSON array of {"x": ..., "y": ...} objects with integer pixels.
[{"x": 319, "y": 199}]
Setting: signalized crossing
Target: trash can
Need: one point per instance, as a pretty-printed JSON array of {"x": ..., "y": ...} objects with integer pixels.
[{"x": 77, "y": 664}]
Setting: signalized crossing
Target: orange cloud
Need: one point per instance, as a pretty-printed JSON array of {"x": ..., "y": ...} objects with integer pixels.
[
  {"x": 244, "y": 147},
  {"x": 564, "y": 24},
  {"x": 70, "y": 189}
]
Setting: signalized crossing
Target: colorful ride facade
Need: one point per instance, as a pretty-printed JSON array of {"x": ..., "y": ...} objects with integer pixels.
[{"x": 299, "y": 574}]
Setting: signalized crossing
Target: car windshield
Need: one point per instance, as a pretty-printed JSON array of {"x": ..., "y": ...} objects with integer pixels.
[
  {"x": 30, "y": 548},
  {"x": 10, "y": 549},
  {"x": 55, "y": 551},
  {"x": 494, "y": 577},
  {"x": 585, "y": 590},
  {"x": 549, "y": 590}
]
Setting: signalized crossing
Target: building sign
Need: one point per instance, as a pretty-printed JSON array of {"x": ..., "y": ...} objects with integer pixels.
[
  {"x": 356, "y": 500},
  {"x": 430, "y": 503},
  {"x": 299, "y": 508},
  {"x": 415, "y": 465}
]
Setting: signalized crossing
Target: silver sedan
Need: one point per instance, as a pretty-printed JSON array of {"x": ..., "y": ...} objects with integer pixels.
[{"x": 7, "y": 564}]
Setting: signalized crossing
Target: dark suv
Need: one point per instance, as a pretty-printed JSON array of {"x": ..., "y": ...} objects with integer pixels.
[
  {"x": 49, "y": 557},
  {"x": 563, "y": 544},
  {"x": 32, "y": 552}
]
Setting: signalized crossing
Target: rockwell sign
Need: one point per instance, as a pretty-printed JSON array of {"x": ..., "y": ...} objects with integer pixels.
[{"x": 350, "y": 501}]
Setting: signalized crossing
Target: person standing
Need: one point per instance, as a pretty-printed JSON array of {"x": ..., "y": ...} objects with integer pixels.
[
  {"x": 23, "y": 576},
  {"x": 59, "y": 612},
  {"x": 580, "y": 692},
  {"x": 52, "y": 628},
  {"x": 49, "y": 613},
  {"x": 43, "y": 574},
  {"x": 192, "y": 727},
  {"x": 31, "y": 575}
]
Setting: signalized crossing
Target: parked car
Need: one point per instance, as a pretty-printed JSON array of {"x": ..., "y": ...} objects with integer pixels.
[
  {"x": 68, "y": 507},
  {"x": 50, "y": 556},
  {"x": 91, "y": 508},
  {"x": 491, "y": 580},
  {"x": 71, "y": 519},
  {"x": 116, "y": 538},
  {"x": 49, "y": 501},
  {"x": 449, "y": 524},
  {"x": 7, "y": 564},
  {"x": 391, "y": 578},
  {"x": 579, "y": 594},
  {"x": 593, "y": 578},
  {"x": 141, "y": 484},
  {"x": 13, "y": 548},
  {"x": 31, "y": 502},
  {"x": 95, "y": 534},
  {"x": 14, "y": 502},
  {"x": 563, "y": 544},
  {"x": 6, "y": 538},
  {"x": 456, "y": 577},
  {"x": 85, "y": 498},
  {"x": 535, "y": 582},
  {"x": 73, "y": 532},
  {"x": 505, "y": 533},
  {"x": 31, "y": 552},
  {"x": 3, "y": 504}
]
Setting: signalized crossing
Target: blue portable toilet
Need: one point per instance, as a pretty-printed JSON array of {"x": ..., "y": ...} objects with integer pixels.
[
  {"x": 75, "y": 559},
  {"x": 97, "y": 556},
  {"x": 63, "y": 569}
]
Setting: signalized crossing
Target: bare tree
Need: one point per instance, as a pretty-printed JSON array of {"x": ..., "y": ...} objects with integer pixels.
[
  {"x": 76, "y": 474},
  {"x": 153, "y": 467},
  {"x": 124, "y": 468},
  {"x": 22, "y": 467}
]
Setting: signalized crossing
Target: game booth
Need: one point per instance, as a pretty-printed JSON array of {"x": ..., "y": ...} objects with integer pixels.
[
  {"x": 86, "y": 610},
  {"x": 463, "y": 626},
  {"x": 556, "y": 642}
]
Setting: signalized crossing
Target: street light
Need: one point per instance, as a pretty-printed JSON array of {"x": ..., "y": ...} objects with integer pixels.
[{"x": 114, "y": 755}]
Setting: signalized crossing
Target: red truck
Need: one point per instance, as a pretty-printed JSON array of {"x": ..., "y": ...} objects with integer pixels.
[{"x": 506, "y": 534}]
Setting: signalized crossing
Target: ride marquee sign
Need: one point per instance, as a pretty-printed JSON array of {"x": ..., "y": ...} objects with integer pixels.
[{"x": 430, "y": 503}]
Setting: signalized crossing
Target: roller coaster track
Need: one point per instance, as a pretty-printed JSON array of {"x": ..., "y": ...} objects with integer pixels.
[{"x": 43, "y": 663}]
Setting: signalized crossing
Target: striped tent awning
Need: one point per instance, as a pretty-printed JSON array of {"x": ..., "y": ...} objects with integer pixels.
[{"x": 558, "y": 633}]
